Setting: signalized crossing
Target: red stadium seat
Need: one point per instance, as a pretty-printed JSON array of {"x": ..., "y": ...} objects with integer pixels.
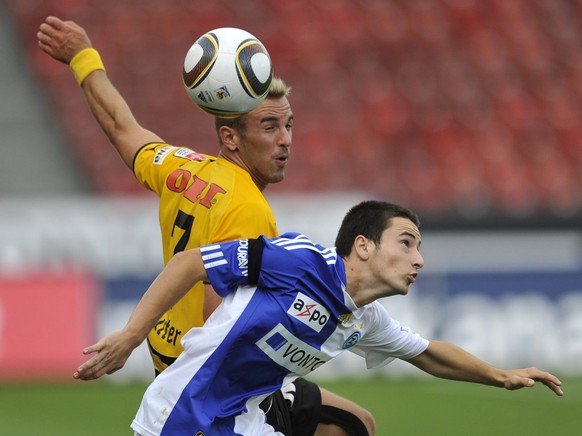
[{"x": 428, "y": 101}]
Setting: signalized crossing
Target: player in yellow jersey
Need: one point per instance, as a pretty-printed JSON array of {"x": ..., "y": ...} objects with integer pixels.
[
  {"x": 203, "y": 199},
  {"x": 206, "y": 199}
]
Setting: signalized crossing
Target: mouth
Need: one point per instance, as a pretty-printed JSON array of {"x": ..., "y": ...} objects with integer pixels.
[
  {"x": 282, "y": 159},
  {"x": 412, "y": 278}
]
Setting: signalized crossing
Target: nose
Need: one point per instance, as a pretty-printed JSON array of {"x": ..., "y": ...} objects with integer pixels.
[
  {"x": 418, "y": 261},
  {"x": 285, "y": 139}
]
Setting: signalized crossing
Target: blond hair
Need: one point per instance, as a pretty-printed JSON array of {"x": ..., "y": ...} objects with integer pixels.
[{"x": 277, "y": 89}]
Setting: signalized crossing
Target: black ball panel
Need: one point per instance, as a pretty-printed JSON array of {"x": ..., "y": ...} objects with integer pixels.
[
  {"x": 249, "y": 81},
  {"x": 196, "y": 75}
]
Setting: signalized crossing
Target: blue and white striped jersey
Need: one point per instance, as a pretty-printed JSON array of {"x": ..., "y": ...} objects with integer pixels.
[{"x": 297, "y": 317}]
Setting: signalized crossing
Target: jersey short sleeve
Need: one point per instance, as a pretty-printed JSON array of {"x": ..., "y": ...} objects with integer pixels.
[
  {"x": 154, "y": 162},
  {"x": 226, "y": 265},
  {"x": 388, "y": 339},
  {"x": 271, "y": 263}
]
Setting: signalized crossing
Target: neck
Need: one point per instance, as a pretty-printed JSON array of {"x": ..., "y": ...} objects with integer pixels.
[
  {"x": 236, "y": 160},
  {"x": 363, "y": 287},
  {"x": 356, "y": 285}
]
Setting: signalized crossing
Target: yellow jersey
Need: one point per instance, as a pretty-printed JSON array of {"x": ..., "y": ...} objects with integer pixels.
[{"x": 203, "y": 200}]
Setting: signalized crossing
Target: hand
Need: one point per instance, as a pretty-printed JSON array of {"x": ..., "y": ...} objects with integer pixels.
[
  {"x": 112, "y": 352},
  {"x": 527, "y": 377},
  {"x": 62, "y": 39}
]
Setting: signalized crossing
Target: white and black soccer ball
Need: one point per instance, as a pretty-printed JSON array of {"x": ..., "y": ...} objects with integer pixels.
[{"x": 227, "y": 72}]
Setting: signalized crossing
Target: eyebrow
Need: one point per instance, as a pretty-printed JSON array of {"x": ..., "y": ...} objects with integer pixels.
[
  {"x": 412, "y": 235},
  {"x": 270, "y": 118}
]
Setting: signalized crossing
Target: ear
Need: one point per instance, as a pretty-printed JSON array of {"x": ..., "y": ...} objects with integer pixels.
[
  {"x": 228, "y": 137},
  {"x": 362, "y": 247}
]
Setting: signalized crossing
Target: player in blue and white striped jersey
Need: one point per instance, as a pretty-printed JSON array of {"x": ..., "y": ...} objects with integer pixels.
[{"x": 289, "y": 306}]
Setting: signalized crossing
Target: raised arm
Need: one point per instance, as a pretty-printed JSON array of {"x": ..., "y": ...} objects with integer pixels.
[
  {"x": 112, "y": 351},
  {"x": 445, "y": 360},
  {"x": 64, "y": 40}
]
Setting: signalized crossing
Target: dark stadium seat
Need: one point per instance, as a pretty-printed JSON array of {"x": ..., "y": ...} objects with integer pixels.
[{"x": 436, "y": 103}]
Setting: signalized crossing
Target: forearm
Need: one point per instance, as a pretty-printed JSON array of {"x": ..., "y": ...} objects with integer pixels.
[
  {"x": 112, "y": 351},
  {"x": 68, "y": 42},
  {"x": 446, "y": 360},
  {"x": 181, "y": 273},
  {"x": 114, "y": 116}
]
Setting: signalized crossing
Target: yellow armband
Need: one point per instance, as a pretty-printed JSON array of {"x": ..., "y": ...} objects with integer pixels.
[{"x": 84, "y": 63}]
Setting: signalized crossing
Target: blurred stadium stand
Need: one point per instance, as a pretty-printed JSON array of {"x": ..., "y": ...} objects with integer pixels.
[
  {"x": 467, "y": 111},
  {"x": 36, "y": 159}
]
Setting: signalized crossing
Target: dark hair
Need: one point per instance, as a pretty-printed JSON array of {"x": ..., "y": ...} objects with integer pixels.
[
  {"x": 369, "y": 219},
  {"x": 277, "y": 89}
]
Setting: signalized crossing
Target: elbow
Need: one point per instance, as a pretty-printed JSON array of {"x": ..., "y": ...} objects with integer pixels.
[{"x": 189, "y": 266}]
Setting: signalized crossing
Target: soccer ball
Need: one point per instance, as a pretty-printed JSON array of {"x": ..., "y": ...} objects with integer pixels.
[{"x": 227, "y": 72}]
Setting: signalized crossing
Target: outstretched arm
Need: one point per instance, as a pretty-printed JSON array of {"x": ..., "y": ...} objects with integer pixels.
[
  {"x": 111, "y": 352},
  {"x": 63, "y": 40},
  {"x": 445, "y": 360}
]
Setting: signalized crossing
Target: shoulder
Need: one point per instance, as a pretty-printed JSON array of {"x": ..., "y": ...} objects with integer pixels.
[
  {"x": 300, "y": 245},
  {"x": 238, "y": 219},
  {"x": 156, "y": 153},
  {"x": 291, "y": 241},
  {"x": 378, "y": 311}
]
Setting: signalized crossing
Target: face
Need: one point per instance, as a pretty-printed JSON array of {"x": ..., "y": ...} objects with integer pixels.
[
  {"x": 396, "y": 260},
  {"x": 265, "y": 145}
]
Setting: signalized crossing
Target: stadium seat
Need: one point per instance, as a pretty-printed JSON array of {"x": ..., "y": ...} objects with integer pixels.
[{"x": 428, "y": 101}]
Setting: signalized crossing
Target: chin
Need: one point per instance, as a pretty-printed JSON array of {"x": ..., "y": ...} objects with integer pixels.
[{"x": 277, "y": 178}]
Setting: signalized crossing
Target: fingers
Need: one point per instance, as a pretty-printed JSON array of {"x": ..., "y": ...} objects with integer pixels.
[
  {"x": 46, "y": 36},
  {"x": 62, "y": 39},
  {"x": 110, "y": 354},
  {"x": 54, "y": 22},
  {"x": 89, "y": 369},
  {"x": 44, "y": 41},
  {"x": 96, "y": 367},
  {"x": 527, "y": 378},
  {"x": 554, "y": 387},
  {"x": 93, "y": 348},
  {"x": 50, "y": 27},
  {"x": 552, "y": 382}
]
